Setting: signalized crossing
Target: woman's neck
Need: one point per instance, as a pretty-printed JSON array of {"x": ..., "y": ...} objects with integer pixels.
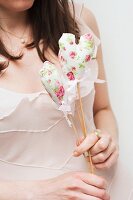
[{"x": 12, "y": 21}]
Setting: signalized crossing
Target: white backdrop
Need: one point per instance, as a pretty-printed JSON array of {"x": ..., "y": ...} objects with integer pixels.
[{"x": 115, "y": 20}]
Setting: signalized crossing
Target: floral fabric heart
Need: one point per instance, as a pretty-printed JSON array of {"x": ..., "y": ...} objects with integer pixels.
[
  {"x": 74, "y": 57},
  {"x": 78, "y": 61},
  {"x": 78, "y": 64},
  {"x": 53, "y": 82}
]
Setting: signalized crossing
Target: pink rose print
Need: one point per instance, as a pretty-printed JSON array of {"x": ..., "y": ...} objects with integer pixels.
[
  {"x": 72, "y": 54},
  {"x": 57, "y": 83},
  {"x": 70, "y": 75},
  {"x": 73, "y": 68},
  {"x": 70, "y": 41},
  {"x": 62, "y": 59},
  {"x": 49, "y": 72},
  {"x": 88, "y": 36},
  {"x": 87, "y": 58},
  {"x": 62, "y": 46},
  {"x": 60, "y": 93}
]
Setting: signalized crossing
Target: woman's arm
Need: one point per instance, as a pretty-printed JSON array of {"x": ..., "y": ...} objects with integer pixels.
[
  {"x": 105, "y": 150},
  {"x": 17, "y": 190},
  {"x": 103, "y": 114},
  {"x": 73, "y": 185}
]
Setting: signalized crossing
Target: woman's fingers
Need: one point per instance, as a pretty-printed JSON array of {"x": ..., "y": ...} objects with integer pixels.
[
  {"x": 92, "y": 179},
  {"x": 88, "y": 142},
  {"x": 90, "y": 185},
  {"x": 101, "y": 149},
  {"x": 80, "y": 140},
  {"x": 90, "y": 190},
  {"x": 93, "y": 143},
  {"x": 81, "y": 196},
  {"x": 109, "y": 162},
  {"x": 103, "y": 156},
  {"x": 94, "y": 186},
  {"x": 101, "y": 145}
]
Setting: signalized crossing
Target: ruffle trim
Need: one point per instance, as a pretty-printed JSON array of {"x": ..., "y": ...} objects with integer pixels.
[
  {"x": 34, "y": 131},
  {"x": 39, "y": 166},
  {"x": 17, "y": 100}
]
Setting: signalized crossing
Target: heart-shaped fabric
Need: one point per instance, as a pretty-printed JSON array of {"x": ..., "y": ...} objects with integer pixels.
[
  {"x": 56, "y": 86},
  {"x": 53, "y": 82},
  {"x": 77, "y": 64},
  {"x": 78, "y": 61},
  {"x": 75, "y": 58}
]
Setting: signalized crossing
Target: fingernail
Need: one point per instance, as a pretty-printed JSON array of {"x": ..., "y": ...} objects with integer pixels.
[{"x": 75, "y": 153}]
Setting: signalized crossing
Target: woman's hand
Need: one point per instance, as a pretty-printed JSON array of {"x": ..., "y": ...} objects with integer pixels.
[
  {"x": 103, "y": 149},
  {"x": 73, "y": 185},
  {"x": 69, "y": 186}
]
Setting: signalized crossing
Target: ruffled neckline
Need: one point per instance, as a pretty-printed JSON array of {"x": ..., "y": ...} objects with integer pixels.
[{"x": 21, "y": 93}]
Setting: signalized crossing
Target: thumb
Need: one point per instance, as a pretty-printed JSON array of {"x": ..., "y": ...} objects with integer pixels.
[
  {"x": 80, "y": 140},
  {"x": 87, "y": 144}
]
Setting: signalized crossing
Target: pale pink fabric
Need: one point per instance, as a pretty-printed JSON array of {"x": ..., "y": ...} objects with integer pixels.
[{"x": 37, "y": 143}]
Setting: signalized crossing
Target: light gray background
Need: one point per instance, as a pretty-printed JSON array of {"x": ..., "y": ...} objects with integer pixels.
[{"x": 115, "y": 20}]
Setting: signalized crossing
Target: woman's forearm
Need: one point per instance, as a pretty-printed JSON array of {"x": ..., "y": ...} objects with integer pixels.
[
  {"x": 105, "y": 120},
  {"x": 16, "y": 190}
]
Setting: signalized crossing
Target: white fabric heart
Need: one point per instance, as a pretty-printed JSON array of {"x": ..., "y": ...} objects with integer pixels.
[
  {"x": 78, "y": 61},
  {"x": 78, "y": 64}
]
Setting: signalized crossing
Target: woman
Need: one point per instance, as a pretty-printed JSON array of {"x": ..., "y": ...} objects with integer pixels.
[{"x": 36, "y": 160}]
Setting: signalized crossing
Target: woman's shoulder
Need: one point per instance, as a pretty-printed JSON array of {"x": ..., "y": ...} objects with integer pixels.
[
  {"x": 77, "y": 7},
  {"x": 85, "y": 14}
]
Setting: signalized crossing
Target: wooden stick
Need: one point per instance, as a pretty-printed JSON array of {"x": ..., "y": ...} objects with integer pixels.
[
  {"x": 84, "y": 126},
  {"x": 82, "y": 112},
  {"x": 91, "y": 163},
  {"x": 80, "y": 119},
  {"x": 77, "y": 136}
]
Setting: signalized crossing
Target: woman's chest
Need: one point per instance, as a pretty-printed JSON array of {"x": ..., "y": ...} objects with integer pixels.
[
  {"x": 23, "y": 75},
  {"x": 33, "y": 112}
]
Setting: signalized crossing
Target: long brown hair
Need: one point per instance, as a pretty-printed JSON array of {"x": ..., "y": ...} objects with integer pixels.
[{"x": 49, "y": 19}]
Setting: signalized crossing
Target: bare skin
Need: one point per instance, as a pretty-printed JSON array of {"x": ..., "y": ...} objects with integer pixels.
[
  {"x": 75, "y": 185},
  {"x": 104, "y": 151}
]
